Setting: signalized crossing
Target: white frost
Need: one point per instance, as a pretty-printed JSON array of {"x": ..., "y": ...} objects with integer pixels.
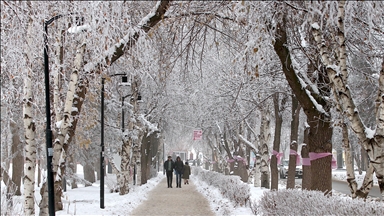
[
  {"x": 315, "y": 26},
  {"x": 77, "y": 29},
  {"x": 370, "y": 133}
]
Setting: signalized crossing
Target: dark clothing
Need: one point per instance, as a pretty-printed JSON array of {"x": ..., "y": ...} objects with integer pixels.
[
  {"x": 187, "y": 172},
  {"x": 179, "y": 166},
  {"x": 169, "y": 165},
  {"x": 169, "y": 178}
]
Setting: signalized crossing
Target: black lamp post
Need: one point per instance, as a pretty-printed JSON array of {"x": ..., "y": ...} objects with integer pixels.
[
  {"x": 102, "y": 147},
  {"x": 163, "y": 156},
  {"x": 102, "y": 165},
  {"x": 48, "y": 132}
]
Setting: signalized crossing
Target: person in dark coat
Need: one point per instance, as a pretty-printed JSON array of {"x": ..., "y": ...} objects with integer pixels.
[
  {"x": 186, "y": 173},
  {"x": 179, "y": 168},
  {"x": 169, "y": 165}
]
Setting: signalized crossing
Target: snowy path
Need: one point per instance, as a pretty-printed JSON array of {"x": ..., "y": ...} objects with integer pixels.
[{"x": 174, "y": 201}]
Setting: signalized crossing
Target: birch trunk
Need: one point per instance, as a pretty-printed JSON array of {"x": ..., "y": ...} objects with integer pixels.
[
  {"x": 30, "y": 134},
  {"x": 43, "y": 205},
  {"x": 137, "y": 129},
  {"x": 367, "y": 184},
  {"x": 147, "y": 23},
  {"x": 67, "y": 120},
  {"x": 11, "y": 187},
  {"x": 348, "y": 161},
  {"x": 136, "y": 160},
  {"x": 265, "y": 137},
  {"x": 58, "y": 69},
  {"x": 65, "y": 129},
  {"x": 124, "y": 175},
  {"x": 257, "y": 172},
  {"x": 30, "y": 150},
  {"x": 373, "y": 145}
]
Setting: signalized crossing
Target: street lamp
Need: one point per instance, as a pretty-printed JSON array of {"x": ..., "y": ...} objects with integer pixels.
[
  {"x": 102, "y": 166},
  {"x": 48, "y": 131}
]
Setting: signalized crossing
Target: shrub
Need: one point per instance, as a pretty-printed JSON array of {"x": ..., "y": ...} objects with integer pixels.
[
  {"x": 230, "y": 187},
  {"x": 303, "y": 202}
]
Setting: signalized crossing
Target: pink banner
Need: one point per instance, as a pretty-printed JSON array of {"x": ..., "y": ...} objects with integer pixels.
[
  {"x": 306, "y": 162},
  {"x": 237, "y": 158},
  {"x": 298, "y": 158},
  {"x": 314, "y": 156},
  {"x": 334, "y": 163},
  {"x": 230, "y": 160},
  {"x": 278, "y": 156},
  {"x": 240, "y": 158}
]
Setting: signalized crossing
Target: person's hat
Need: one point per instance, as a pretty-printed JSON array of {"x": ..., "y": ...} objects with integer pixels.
[{"x": 169, "y": 156}]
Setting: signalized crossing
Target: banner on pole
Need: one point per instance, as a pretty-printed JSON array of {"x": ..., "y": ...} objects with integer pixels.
[{"x": 197, "y": 134}]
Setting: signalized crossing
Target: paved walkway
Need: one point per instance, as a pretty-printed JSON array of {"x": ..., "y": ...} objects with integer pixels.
[{"x": 174, "y": 201}]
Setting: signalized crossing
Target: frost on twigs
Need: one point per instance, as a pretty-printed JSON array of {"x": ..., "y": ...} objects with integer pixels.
[
  {"x": 231, "y": 187},
  {"x": 298, "y": 202},
  {"x": 315, "y": 26}
]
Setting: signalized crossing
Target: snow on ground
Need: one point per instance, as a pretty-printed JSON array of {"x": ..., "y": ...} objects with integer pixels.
[
  {"x": 341, "y": 174},
  {"x": 86, "y": 200}
]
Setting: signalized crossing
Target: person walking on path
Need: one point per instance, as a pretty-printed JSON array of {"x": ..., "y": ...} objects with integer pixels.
[
  {"x": 186, "y": 173},
  {"x": 179, "y": 168},
  {"x": 164, "y": 202},
  {"x": 169, "y": 165}
]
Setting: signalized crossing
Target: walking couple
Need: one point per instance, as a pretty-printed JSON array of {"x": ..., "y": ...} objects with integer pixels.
[{"x": 180, "y": 170}]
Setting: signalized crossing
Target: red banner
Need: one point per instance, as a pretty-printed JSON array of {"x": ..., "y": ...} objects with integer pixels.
[{"x": 197, "y": 134}]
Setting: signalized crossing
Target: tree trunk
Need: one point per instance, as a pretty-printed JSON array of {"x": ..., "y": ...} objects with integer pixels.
[
  {"x": 155, "y": 154},
  {"x": 43, "y": 205},
  {"x": 364, "y": 159},
  {"x": 320, "y": 137},
  {"x": 30, "y": 150},
  {"x": 89, "y": 172},
  {"x": 136, "y": 148},
  {"x": 39, "y": 173},
  {"x": 123, "y": 176},
  {"x": 11, "y": 188},
  {"x": 306, "y": 180},
  {"x": 320, "y": 133},
  {"x": 276, "y": 142},
  {"x": 145, "y": 158},
  {"x": 58, "y": 194},
  {"x": 348, "y": 160},
  {"x": 265, "y": 137},
  {"x": 372, "y": 144},
  {"x": 294, "y": 142},
  {"x": 18, "y": 159},
  {"x": 340, "y": 162},
  {"x": 367, "y": 184},
  {"x": 72, "y": 165},
  {"x": 257, "y": 173}
]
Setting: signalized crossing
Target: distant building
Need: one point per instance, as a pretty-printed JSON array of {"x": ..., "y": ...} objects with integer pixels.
[{"x": 183, "y": 155}]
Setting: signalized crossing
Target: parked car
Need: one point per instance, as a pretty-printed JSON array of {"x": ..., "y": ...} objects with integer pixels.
[
  {"x": 283, "y": 170},
  {"x": 192, "y": 162}
]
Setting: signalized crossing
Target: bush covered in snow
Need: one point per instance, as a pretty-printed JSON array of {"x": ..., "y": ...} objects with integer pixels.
[
  {"x": 230, "y": 187},
  {"x": 297, "y": 202}
]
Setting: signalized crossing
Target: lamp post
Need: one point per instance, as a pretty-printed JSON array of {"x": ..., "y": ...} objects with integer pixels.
[
  {"x": 102, "y": 147},
  {"x": 102, "y": 165},
  {"x": 48, "y": 131},
  {"x": 163, "y": 156}
]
